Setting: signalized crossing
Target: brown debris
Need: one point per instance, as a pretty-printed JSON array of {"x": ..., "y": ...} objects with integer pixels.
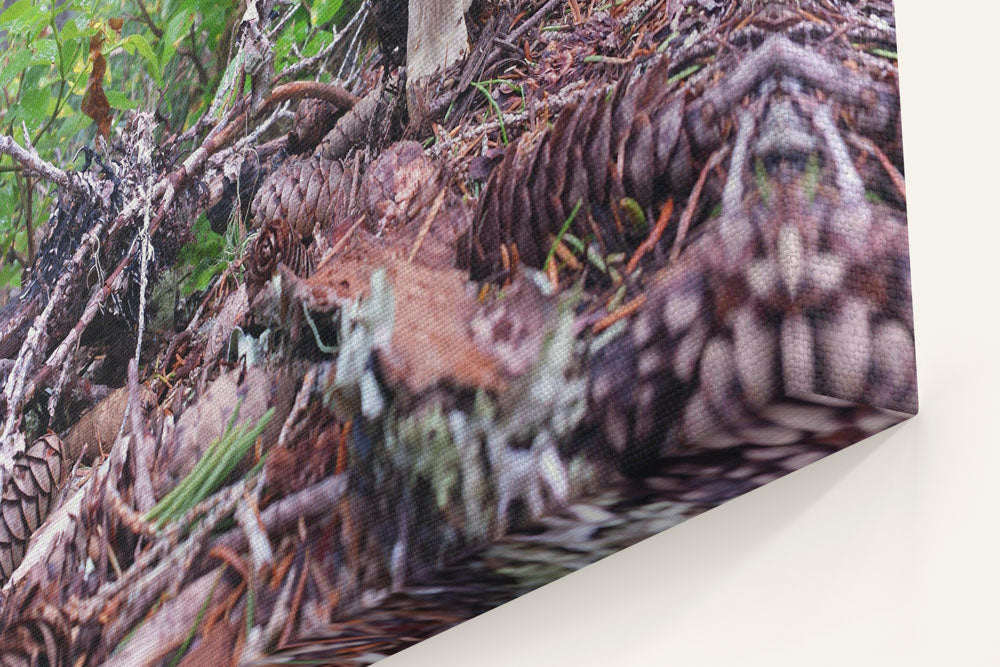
[
  {"x": 39, "y": 637},
  {"x": 205, "y": 419},
  {"x": 406, "y": 196},
  {"x": 95, "y": 102},
  {"x": 431, "y": 342},
  {"x": 408, "y": 211},
  {"x": 313, "y": 119},
  {"x": 97, "y": 429}
]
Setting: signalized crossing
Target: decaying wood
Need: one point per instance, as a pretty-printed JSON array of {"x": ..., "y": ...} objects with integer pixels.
[{"x": 436, "y": 38}]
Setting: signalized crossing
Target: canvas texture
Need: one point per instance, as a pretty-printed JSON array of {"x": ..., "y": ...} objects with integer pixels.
[{"x": 541, "y": 280}]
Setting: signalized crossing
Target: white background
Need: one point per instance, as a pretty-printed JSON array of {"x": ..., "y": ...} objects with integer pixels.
[{"x": 885, "y": 554}]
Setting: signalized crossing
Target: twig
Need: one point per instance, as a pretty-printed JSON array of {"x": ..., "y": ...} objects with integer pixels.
[
  {"x": 297, "y": 90},
  {"x": 293, "y": 609},
  {"x": 193, "y": 55},
  {"x": 278, "y": 623},
  {"x": 654, "y": 237},
  {"x": 521, "y": 30},
  {"x": 28, "y": 214},
  {"x": 339, "y": 245},
  {"x": 247, "y": 517},
  {"x": 23, "y": 364},
  {"x": 301, "y": 400},
  {"x": 306, "y": 63},
  {"x": 620, "y": 314},
  {"x": 636, "y": 13},
  {"x": 692, "y": 203},
  {"x": 146, "y": 584},
  {"x": 141, "y": 442},
  {"x": 30, "y": 160},
  {"x": 308, "y": 503},
  {"x": 219, "y": 158},
  {"x": 890, "y": 169},
  {"x": 530, "y": 23},
  {"x": 350, "y": 49},
  {"x": 428, "y": 221},
  {"x": 148, "y": 20},
  {"x": 145, "y": 159},
  {"x": 165, "y": 190},
  {"x": 574, "y": 92}
]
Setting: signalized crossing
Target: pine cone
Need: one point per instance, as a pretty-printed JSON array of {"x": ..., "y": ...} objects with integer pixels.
[
  {"x": 303, "y": 193},
  {"x": 629, "y": 144},
  {"x": 39, "y": 637},
  {"x": 277, "y": 243},
  {"x": 38, "y": 474},
  {"x": 313, "y": 119}
]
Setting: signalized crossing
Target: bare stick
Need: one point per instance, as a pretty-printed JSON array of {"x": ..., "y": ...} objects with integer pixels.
[
  {"x": 141, "y": 441},
  {"x": 30, "y": 160},
  {"x": 308, "y": 503},
  {"x": 297, "y": 90},
  {"x": 424, "y": 228},
  {"x": 692, "y": 203}
]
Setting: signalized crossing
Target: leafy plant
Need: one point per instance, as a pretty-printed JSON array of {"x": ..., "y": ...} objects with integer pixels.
[{"x": 68, "y": 60}]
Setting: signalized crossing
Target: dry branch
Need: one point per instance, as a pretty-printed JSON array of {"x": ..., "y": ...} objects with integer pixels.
[{"x": 30, "y": 160}]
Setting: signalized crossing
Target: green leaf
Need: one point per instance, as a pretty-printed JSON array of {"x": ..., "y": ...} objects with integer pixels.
[
  {"x": 203, "y": 275},
  {"x": 174, "y": 33},
  {"x": 119, "y": 101},
  {"x": 562, "y": 232},
  {"x": 35, "y": 105},
  {"x": 282, "y": 47},
  {"x": 683, "y": 74},
  {"x": 44, "y": 52},
  {"x": 18, "y": 61},
  {"x": 318, "y": 42},
  {"x": 137, "y": 43},
  {"x": 70, "y": 30},
  {"x": 177, "y": 28},
  {"x": 886, "y": 53},
  {"x": 10, "y": 275},
  {"x": 20, "y": 15},
  {"x": 213, "y": 20},
  {"x": 323, "y": 10}
]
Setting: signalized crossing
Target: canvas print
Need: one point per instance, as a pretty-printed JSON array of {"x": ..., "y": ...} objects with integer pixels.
[{"x": 326, "y": 326}]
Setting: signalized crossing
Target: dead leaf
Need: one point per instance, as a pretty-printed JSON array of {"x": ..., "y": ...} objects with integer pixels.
[
  {"x": 95, "y": 102},
  {"x": 216, "y": 647},
  {"x": 431, "y": 341},
  {"x": 116, "y": 25}
]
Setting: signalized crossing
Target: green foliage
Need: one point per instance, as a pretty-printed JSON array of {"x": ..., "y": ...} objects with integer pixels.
[
  {"x": 44, "y": 72},
  {"x": 322, "y": 11},
  {"x": 219, "y": 460},
  {"x": 179, "y": 58},
  {"x": 203, "y": 258}
]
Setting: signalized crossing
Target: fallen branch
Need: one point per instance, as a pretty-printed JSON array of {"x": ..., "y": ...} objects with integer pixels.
[
  {"x": 30, "y": 160},
  {"x": 312, "y": 502}
]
